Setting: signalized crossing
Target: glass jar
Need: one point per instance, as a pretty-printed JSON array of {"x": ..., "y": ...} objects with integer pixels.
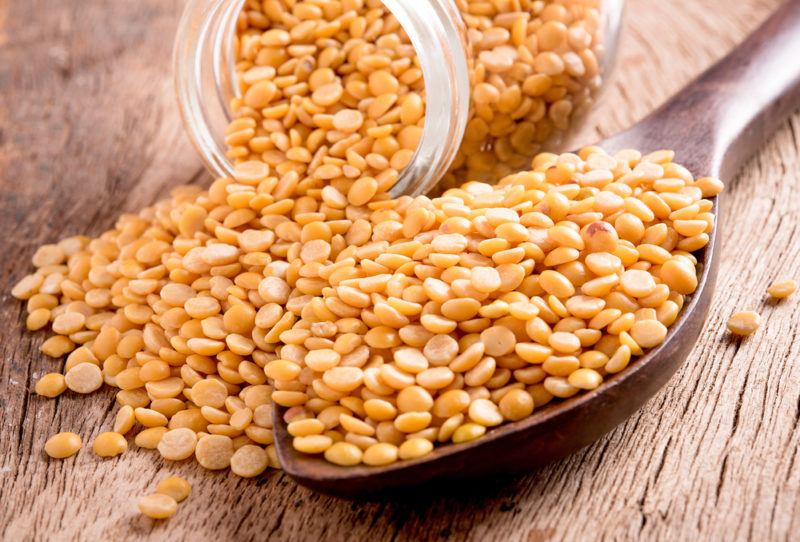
[{"x": 503, "y": 80}]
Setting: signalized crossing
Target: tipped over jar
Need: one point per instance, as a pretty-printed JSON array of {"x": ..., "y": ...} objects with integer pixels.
[{"x": 388, "y": 97}]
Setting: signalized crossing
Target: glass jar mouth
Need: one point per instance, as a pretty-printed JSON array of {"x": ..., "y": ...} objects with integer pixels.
[
  {"x": 202, "y": 70},
  {"x": 613, "y": 11},
  {"x": 437, "y": 33},
  {"x": 205, "y": 83}
]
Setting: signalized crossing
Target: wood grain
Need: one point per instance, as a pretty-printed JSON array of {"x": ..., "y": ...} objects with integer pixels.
[{"x": 88, "y": 129}]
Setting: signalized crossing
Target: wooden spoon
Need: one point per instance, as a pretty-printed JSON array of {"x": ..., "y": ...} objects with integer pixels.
[{"x": 714, "y": 124}]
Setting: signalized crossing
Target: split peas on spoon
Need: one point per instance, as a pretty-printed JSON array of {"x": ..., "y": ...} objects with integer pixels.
[{"x": 476, "y": 307}]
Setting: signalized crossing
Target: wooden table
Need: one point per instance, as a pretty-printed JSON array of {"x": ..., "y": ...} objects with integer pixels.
[{"x": 89, "y": 129}]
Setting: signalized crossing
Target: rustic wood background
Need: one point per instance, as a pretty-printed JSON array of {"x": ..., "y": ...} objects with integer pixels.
[{"x": 89, "y": 128}]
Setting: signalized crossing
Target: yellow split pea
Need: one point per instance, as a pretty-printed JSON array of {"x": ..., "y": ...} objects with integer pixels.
[
  {"x": 175, "y": 487},
  {"x": 158, "y": 506},
  {"x": 51, "y": 385},
  {"x": 744, "y": 323},
  {"x": 782, "y": 288},
  {"x": 109, "y": 444},
  {"x": 63, "y": 445}
]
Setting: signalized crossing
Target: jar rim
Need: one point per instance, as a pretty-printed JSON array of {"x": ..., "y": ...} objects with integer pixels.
[
  {"x": 437, "y": 33},
  {"x": 198, "y": 73}
]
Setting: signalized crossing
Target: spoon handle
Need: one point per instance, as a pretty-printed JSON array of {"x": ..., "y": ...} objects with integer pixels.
[{"x": 721, "y": 118}]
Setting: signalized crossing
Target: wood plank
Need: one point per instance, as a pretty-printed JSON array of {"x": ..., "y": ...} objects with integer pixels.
[{"x": 89, "y": 129}]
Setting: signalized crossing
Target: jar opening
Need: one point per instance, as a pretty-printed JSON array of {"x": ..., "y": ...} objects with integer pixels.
[{"x": 206, "y": 83}]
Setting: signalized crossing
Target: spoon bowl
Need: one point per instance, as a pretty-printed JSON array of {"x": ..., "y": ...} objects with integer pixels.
[
  {"x": 714, "y": 124},
  {"x": 548, "y": 434}
]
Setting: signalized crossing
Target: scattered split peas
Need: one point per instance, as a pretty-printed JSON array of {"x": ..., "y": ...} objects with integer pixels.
[
  {"x": 746, "y": 323},
  {"x": 190, "y": 380},
  {"x": 164, "y": 502},
  {"x": 385, "y": 328}
]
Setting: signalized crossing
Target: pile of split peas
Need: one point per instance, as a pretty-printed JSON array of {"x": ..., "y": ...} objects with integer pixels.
[{"x": 383, "y": 326}]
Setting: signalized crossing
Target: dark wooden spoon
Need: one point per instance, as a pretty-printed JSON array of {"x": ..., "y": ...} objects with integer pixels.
[{"x": 714, "y": 124}]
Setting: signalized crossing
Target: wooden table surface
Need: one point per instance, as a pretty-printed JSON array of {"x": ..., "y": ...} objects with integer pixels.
[{"x": 89, "y": 129}]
